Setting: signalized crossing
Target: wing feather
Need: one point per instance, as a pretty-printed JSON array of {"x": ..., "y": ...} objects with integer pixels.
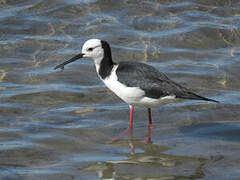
[{"x": 154, "y": 83}]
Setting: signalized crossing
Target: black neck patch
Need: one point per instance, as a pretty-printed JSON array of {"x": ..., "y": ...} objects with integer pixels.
[{"x": 106, "y": 64}]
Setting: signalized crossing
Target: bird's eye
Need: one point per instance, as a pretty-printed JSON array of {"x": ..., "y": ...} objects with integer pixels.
[{"x": 90, "y": 49}]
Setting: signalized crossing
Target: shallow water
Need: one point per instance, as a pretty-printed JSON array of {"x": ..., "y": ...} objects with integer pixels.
[{"x": 57, "y": 124}]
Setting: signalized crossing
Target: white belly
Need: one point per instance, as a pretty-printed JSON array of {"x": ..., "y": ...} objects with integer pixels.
[
  {"x": 130, "y": 95},
  {"x": 133, "y": 95}
]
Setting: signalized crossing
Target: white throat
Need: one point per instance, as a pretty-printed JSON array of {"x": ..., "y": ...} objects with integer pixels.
[{"x": 97, "y": 62}]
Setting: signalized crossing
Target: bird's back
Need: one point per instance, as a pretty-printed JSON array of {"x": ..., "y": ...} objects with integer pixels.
[{"x": 153, "y": 82}]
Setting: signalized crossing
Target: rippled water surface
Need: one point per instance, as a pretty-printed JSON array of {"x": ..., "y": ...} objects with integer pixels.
[{"x": 57, "y": 124}]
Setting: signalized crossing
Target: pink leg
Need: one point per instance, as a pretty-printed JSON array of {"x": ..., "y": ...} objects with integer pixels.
[
  {"x": 131, "y": 118},
  {"x": 148, "y": 140},
  {"x": 127, "y": 130},
  {"x": 149, "y": 117},
  {"x": 120, "y": 135}
]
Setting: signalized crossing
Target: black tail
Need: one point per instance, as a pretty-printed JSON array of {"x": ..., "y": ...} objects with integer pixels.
[{"x": 191, "y": 95}]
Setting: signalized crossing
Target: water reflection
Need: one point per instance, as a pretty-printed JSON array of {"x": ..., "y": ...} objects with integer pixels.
[
  {"x": 150, "y": 161},
  {"x": 131, "y": 139}
]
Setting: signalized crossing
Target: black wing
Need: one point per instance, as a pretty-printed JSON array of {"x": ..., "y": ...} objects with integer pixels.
[{"x": 153, "y": 82}]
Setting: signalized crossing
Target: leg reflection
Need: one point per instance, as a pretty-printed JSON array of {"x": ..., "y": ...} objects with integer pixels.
[
  {"x": 127, "y": 130},
  {"x": 121, "y": 134},
  {"x": 131, "y": 141}
]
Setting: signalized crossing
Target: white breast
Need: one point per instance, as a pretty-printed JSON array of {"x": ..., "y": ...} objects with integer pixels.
[{"x": 132, "y": 95}]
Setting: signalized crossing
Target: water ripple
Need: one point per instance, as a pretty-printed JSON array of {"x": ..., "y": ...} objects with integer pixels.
[{"x": 56, "y": 124}]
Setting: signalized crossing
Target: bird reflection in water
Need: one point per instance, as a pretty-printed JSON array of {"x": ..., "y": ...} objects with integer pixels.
[{"x": 129, "y": 131}]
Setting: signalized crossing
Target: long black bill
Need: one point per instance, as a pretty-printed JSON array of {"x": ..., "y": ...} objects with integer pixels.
[{"x": 69, "y": 61}]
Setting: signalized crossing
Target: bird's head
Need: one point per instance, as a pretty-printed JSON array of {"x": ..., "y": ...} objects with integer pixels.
[{"x": 94, "y": 49}]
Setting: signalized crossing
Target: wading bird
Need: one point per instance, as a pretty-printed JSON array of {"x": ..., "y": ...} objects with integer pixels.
[{"x": 136, "y": 83}]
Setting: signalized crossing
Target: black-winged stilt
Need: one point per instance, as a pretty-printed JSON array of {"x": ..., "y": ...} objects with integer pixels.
[{"x": 136, "y": 83}]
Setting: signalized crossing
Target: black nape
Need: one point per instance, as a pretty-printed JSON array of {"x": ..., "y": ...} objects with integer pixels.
[{"x": 106, "y": 64}]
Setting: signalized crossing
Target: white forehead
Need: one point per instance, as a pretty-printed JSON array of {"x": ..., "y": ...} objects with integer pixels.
[{"x": 91, "y": 43}]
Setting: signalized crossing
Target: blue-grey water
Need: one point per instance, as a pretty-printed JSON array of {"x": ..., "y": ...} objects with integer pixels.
[{"x": 57, "y": 124}]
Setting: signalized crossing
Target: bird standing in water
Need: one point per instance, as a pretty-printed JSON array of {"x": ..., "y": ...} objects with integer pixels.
[{"x": 136, "y": 83}]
